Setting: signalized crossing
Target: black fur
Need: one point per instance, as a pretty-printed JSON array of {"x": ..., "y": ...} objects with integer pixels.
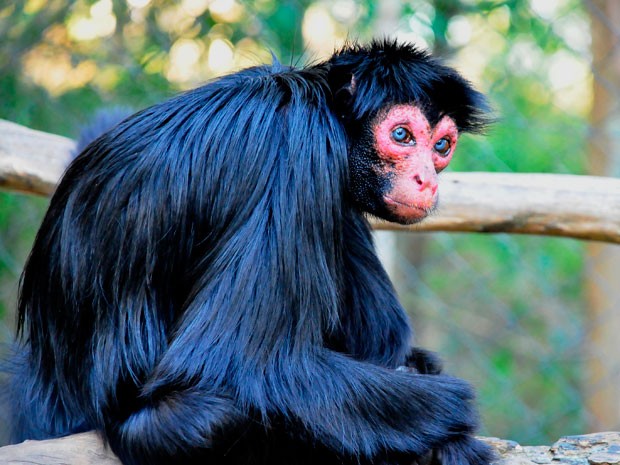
[
  {"x": 386, "y": 72},
  {"x": 204, "y": 289}
]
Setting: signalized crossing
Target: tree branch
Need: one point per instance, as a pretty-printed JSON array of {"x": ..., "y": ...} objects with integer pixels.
[
  {"x": 582, "y": 207},
  {"x": 32, "y": 161},
  {"x": 88, "y": 449},
  {"x": 79, "y": 449}
]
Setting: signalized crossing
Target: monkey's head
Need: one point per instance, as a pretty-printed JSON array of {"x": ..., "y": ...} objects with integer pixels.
[{"x": 403, "y": 111}]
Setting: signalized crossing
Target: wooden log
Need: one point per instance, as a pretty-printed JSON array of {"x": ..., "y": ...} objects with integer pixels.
[
  {"x": 582, "y": 207},
  {"x": 79, "y": 449},
  {"x": 32, "y": 161},
  {"x": 88, "y": 449}
]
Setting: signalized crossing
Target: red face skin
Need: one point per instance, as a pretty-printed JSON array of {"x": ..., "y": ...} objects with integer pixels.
[{"x": 412, "y": 164}]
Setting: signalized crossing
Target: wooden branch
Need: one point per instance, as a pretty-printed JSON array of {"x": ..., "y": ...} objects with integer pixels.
[
  {"x": 88, "y": 449},
  {"x": 32, "y": 161},
  {"x": 79, "y": 449},
  {"x": 582, "y": 207}
]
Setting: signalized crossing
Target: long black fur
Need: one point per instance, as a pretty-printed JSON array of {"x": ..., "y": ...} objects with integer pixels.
[{"x": 204, "y": 287}]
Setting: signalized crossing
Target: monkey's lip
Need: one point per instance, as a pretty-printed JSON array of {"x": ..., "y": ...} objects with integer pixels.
[
  {"x": 407, "y": 213},
  {"x": 422, "y": 211}
]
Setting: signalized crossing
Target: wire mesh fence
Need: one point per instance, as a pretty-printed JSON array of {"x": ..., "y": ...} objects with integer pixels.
[{"x": 530, "y": 321}]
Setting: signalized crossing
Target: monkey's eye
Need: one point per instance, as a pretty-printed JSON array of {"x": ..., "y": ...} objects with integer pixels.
[
  {"x": 402, "y": 136},
  {"x": 442, "y": 147}
]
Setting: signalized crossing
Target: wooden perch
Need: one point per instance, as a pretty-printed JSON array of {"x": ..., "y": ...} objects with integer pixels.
[
  {"x": 88, "y": 449},
  {"x": 79, "y": 449},
  {"x": 32, "y": 161},
  {"x": 582, "y": 207}
]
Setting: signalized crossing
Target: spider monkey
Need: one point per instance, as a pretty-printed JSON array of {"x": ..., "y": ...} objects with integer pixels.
[{"x": 204, "y": 286}]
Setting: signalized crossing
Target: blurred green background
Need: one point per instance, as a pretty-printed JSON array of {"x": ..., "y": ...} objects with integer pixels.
[{"x": 519, "y": 317}]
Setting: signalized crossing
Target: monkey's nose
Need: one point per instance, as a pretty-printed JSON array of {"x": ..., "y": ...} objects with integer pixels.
[{"x": 425, "y": 182}]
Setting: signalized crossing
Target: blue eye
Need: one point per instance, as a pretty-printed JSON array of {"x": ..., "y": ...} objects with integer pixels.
[
  {"x": 442, "y": 147},
  {"x": 402, "y": 136}
]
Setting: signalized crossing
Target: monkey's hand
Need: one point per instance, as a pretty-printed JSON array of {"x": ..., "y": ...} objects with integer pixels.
[
  {"x": 464, "y": 449},
  {"x": 423, "y": 362}
]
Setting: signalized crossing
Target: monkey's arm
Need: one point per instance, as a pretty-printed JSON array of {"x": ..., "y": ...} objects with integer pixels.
[
  {"x": 374, "y": 326},
  {"x": 358, "y": 408}
]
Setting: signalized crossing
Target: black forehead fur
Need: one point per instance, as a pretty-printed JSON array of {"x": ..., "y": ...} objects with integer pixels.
[{"x": 388, "y": 72}]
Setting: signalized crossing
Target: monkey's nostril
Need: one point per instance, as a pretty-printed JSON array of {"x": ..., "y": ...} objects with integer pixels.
[{"x": 425, "y": 182}]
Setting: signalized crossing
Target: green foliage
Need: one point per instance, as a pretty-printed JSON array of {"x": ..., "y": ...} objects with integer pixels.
[
  {"x": 508, "y": 317},
  {"x": 18, "y": 216}
]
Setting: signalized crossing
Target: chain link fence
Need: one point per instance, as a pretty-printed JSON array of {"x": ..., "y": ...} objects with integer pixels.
[{"x": 532, "y": 322}]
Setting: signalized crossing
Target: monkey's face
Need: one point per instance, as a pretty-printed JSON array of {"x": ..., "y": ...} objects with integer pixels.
[{"x": 409, "y": 155}]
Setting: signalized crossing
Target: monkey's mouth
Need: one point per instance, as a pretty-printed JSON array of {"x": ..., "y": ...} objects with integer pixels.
[{"x": 407, "y": 213}]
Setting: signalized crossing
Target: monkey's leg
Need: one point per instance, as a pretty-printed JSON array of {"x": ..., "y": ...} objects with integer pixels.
[{"x": 174, "y": 427}]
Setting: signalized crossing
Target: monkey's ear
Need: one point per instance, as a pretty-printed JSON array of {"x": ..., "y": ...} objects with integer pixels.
[{"x": 343, "y": 87}]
